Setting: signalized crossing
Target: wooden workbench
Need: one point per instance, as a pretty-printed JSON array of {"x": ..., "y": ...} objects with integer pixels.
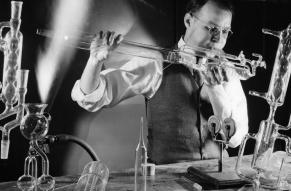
[{"x": 170, "y": 177}]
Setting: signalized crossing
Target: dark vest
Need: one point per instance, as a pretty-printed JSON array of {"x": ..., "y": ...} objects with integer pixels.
[{"x": 173, "y": 123}]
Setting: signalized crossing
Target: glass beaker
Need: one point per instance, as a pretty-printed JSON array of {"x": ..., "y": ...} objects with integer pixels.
[
  {"x": 35, "y": 124},
  {"x": 93, "y": 178}
]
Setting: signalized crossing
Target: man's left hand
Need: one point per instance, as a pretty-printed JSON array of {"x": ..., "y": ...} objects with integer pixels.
[{"x": 215, "y": 74}]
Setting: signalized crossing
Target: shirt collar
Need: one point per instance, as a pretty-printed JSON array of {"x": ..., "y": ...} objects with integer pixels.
[
  {"x": 182, "y": 46},
  {"x": 181, "y": 43}
]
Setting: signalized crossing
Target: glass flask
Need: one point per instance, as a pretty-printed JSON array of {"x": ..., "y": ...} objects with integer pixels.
[
  {"x": 28, "y": 181},
  {"x": 46, "y": 182},
  {"x": 281, "y": 69},
  {"x": 35, "y": 124}
]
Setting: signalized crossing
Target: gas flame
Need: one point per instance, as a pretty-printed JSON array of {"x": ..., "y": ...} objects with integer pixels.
[
  {"x": 74, "y": 16},
  {"x": 69, "y": 19}
]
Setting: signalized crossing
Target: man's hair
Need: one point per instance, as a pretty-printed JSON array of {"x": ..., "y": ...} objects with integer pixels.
[{"x": 195, "y": 5}]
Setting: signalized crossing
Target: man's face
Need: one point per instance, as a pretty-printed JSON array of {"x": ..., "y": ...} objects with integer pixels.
[{"x": 200, "y": 24}]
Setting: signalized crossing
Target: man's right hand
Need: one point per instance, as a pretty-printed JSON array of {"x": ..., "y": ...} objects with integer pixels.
[
  {"x": 100, "y": 48},
  {"x": 103, "y": 44}
]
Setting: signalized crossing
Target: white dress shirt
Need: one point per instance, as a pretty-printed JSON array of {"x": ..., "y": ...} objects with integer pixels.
[{"x": 142, "y": 76}]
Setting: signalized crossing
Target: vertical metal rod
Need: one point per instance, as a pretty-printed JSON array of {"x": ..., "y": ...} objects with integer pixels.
[{"x": 220, "y": 157}]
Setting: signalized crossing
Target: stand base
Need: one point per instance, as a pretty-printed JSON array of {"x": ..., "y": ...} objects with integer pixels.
[{"x": 215, "y": 180}]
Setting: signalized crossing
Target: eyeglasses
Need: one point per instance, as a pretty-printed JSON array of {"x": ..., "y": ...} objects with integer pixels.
[{"x": 213, "y": 30}]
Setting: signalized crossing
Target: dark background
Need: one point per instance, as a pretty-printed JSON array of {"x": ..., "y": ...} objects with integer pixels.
[{"x": 250, "y": 18}]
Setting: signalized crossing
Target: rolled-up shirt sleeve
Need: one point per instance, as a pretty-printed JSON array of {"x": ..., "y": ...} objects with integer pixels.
[
  {"x": 228, "y": 100},
  {"x": 238, "y": 104},
  {"x": 239, "y": 113},
  {"x": 139, "y": 76}
]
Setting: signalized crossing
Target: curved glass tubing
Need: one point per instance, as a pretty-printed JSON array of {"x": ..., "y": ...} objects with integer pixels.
[{"x": 245, "y": 68}]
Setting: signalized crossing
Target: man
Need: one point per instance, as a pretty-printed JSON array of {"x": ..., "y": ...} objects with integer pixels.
[{"x": 179, "y": 99}]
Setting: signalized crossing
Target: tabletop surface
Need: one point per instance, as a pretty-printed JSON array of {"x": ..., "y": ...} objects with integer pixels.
[{"x": 169, "y": 177}]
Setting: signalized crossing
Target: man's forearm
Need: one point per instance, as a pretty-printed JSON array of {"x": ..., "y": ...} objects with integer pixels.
[{"x": 90, "y": 78}]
